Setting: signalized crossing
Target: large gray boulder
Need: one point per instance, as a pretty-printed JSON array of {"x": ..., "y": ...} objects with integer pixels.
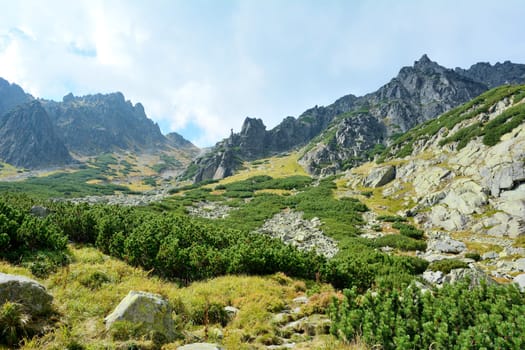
[
  {"x": 380, "y": 176},
  {"x": 25, "y": 291},
  {"x": 200, "y": 346},
  {"x": 150, "y": 312},
  {"x": 474, "y": 274},
  {"x": 442, "y": 243}
]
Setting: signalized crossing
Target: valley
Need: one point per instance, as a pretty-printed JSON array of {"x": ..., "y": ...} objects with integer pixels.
[{"x": 391, "y": 220}]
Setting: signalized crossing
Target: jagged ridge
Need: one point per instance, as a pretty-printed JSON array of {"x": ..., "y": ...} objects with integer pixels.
[{"x": 345, "y": 133}]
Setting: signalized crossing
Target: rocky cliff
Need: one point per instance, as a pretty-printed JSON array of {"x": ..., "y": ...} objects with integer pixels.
[
  {"x": 353, "y": 129},
  {"x": 28, "y": 138},
  {"x": 85, "y": 126},
  {"x": 95, "y": 124}
]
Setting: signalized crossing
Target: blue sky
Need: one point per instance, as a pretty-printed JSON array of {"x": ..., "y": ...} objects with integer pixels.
[{"x": 200, "y": 67}]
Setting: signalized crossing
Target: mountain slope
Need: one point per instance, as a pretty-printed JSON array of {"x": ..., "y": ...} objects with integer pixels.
[
  {"x": 463, "y": 172},
  {"x": 28, "y": 138},
  {"x": 352, "y": 129}
]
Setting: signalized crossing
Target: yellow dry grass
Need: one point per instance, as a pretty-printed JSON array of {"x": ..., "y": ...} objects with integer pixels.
[{"x": 276, "y": 167}]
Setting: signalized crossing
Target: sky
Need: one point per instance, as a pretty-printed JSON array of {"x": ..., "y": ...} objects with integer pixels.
[{"x": 200, "y": 67}]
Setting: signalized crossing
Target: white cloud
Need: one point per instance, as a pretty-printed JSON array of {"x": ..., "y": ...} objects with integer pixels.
[{"x": 210, "y": 64}]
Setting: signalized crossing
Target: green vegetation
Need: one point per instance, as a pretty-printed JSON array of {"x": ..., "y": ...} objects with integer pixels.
[
  {"x": 403, "y": 145},
  {"x": 447, "y": 265},
  {"x": 167, "y": 162},
  {"x": 453, "y": 317},
  {"x": 391, "y": 218},
  {"x": 408, "y": 230}
]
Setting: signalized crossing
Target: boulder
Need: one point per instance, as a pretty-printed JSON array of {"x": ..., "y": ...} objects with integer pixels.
[
  {"x": 447, "y": 218},
  {"x": 434, "y": 277},
  {"x": 150, "y": 312},
  {"x": 520, "y": 281},
  {"x": 199, "y": 346},
  {"x": 475, "y": 276},
  {"x": 380, "y": 176},
  {"x": 25, "y": 291},
  {"x": 39, "y": 211},
  {"x": 466, "y": 197},
  {"x": 442, "y": 243}
]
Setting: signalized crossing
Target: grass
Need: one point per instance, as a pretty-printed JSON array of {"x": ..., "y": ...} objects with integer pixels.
[
  {"x": 93, "y": 284},
  {"x": 276, "y": 167}
]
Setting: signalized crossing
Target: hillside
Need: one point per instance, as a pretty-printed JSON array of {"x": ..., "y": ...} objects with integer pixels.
[
  {"x": 349, "y": 131},
  {"x": 272, "y": 258}
]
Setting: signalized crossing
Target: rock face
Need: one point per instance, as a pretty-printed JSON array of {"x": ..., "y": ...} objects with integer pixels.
[
  {"x": 100, "y": 123},
  {"x": 25, "y": 291},
  {"x": 495, "y": 75},
  {"x": 148, "y": 311},
  {"x": 344, "y": 133},
  {"x": 28, "y": 139}
]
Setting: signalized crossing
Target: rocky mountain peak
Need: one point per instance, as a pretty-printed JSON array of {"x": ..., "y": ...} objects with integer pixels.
[{"x": 28, "y": 138}]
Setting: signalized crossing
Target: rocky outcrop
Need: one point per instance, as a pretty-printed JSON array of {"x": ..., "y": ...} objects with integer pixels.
[
  {"x": 380, "y": 176},
  {"x": 291, "y": 228},
  {"x": 28, "y": 139},
  {"x": 148, "y": 312},
  {"x": 23, "y": 290}
]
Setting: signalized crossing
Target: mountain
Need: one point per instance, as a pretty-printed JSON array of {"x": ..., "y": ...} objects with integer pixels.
[
  {"x": 28, "y": 138},
  {"x": 11, "y": 95},
  {"x": 86, "y": 126},
  {"x": 95, "y": 124},
  {"x": 353, "y": 129}
]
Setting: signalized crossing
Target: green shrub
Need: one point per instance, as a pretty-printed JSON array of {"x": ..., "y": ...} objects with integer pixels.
[
  {"x": 447, "y": 265},
  {"x": 400, "y": 242},
  {"x": 14, "y": 323},
  {"x": 408, "y": 230},
  {"x": 391, "y": 218},
  {"x": 473, "y": 255},
  {"x": 453, "y": 317}
]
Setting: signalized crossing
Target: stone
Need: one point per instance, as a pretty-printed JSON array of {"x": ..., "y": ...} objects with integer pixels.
[
  {"x": 434, "y": 277},
  {"x": 301, "y": 300},
  {"x": 442, "y": 243},
  {"x": 380, "y": 176},
  {"x": 151, "y": 312},
  {"x": 25, "y": 291},
  {"x": 520, "y": 281},
  {"x": 200, "y": 346},
  {"x": 490, "y": 256},
  {"x": 39, "y": 211},
  {"x": 231, "y": 310},
  {"x": 520, "y": 264},
  {"x": 291, "y": 228},
  {"x": 474, "y": 274},
  {"x": 466, "y": 197},
  {"x": 448, "y": 219}
]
